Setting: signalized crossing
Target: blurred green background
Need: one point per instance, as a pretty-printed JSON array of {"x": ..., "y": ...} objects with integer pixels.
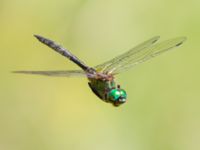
[{"x": 42, "y": 113}]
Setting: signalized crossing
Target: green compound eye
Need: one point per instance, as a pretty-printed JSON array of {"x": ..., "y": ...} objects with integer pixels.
[
  {"x": 123, "y": 93},
  {"x": 114, "y": 94}
]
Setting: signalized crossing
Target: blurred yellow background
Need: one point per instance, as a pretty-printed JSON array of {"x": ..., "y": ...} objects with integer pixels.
[{"x": 43, "y": 113}]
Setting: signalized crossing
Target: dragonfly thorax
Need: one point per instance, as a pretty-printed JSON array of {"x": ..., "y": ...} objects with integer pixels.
[{"x": 108, "y": 91}]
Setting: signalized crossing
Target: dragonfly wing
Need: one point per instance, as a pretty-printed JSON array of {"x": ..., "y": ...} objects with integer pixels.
[
  {"x": 58, "y": 73},
  {"x": 146, "y": 54},
  {"x": 142, "y": 55},
  {"x": 106, "y": 66}
]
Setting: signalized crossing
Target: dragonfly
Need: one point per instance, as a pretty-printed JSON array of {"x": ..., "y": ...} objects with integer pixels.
[{"x": 101, "y": 77}]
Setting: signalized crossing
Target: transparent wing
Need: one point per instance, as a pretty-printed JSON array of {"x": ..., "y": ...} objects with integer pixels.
[
  {"x": 58, "y": 73},
  {"x": 104, "y": 67},
  {"x": 128, "y": 60}
]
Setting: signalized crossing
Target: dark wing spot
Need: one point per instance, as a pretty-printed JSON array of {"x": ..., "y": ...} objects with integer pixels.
[{"x": 179, "y": 44}]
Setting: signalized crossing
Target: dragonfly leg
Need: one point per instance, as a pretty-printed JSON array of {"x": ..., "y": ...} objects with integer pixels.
[{"x": 106, "y": 94}]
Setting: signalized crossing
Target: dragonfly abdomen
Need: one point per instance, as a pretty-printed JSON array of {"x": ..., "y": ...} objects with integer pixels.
[{"x": 58, "y": 48}]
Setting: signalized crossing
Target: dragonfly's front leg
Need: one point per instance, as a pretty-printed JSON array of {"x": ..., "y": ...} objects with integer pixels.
[{"x": 106, "y": 91}]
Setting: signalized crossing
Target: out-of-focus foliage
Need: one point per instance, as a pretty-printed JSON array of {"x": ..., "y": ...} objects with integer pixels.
[{"x": 41, "y": 113}]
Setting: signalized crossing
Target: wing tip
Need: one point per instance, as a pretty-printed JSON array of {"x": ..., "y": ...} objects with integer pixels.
[
  {"x": 155, "y": 39},
  {"x": 14, "y": 71},
  {"x": 21, "y": 72},
  {"x": 182, "y": 40}
]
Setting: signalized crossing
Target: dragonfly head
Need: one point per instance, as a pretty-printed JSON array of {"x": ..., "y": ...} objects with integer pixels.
[{"x": 117, "y": 96}]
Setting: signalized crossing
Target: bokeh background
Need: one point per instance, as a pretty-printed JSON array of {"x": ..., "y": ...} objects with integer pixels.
[{"x": 43, "y": 113}]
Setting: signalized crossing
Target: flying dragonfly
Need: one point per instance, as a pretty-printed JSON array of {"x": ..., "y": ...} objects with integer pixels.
[{"x": 101, "y": 77}]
